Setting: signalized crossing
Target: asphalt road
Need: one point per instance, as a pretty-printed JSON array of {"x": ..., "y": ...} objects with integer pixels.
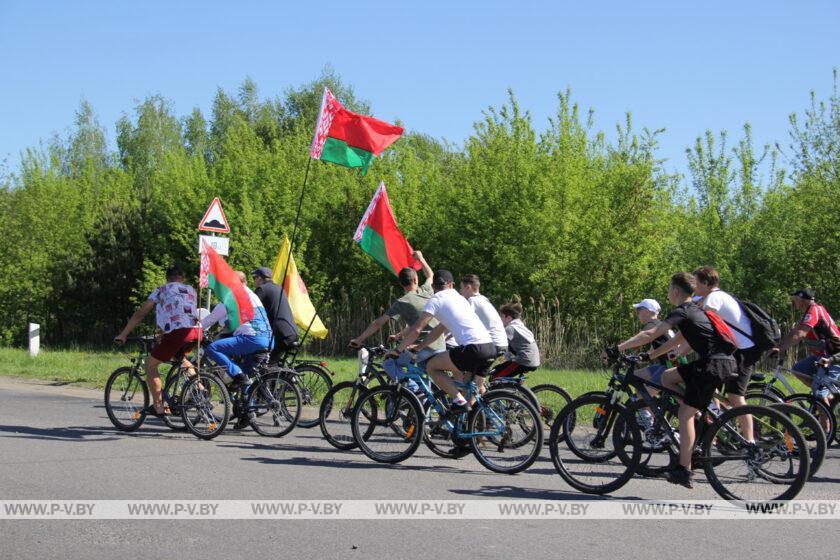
[{"x": 57, "y": 443}]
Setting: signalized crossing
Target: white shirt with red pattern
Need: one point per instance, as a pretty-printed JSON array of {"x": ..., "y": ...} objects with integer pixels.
[{"x": 174, "y": 306}]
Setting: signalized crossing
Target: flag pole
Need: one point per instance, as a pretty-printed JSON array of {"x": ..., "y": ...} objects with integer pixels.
[{"x": 297, "y": 221}]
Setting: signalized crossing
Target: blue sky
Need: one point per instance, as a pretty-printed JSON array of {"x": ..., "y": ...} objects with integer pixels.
[{"x": 434, "y": 65}]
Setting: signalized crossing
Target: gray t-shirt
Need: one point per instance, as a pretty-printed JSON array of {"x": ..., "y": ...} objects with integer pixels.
[
  {"x": 522, "y": 347},
  {"x": 409, "y": 308}
]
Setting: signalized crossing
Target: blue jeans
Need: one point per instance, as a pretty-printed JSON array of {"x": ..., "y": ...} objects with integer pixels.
[
  {"x": 808, "y": 366},
  {"x": 396, "y": 368},
  {"x": 240, "y": 345}
]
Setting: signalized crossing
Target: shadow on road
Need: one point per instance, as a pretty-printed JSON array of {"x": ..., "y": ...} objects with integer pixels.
[
  {"x": 58, "y": 434},
  {"x": 505, "y": 491},
  {"x": 344, "y": 464}
]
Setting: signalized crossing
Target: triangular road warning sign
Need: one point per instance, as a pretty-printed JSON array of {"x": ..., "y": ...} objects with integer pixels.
[{"x": 214, "y": 219}]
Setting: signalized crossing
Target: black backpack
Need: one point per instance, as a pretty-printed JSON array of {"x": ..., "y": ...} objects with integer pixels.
[{"x": 766, "y": 333}]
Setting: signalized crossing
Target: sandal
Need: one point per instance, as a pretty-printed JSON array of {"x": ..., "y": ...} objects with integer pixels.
[{"x": 152, "y": 411}]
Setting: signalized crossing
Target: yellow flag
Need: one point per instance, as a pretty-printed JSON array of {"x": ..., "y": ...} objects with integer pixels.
[{"x": 295, "y": 289}]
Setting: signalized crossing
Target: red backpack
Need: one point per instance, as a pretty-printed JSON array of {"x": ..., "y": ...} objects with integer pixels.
[{"x": 722, "y": 330}]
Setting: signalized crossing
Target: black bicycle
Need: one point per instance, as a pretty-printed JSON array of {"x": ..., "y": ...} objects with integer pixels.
[
  {"x": 597, "y": 445},
  {"x": 336, "y": 414}
]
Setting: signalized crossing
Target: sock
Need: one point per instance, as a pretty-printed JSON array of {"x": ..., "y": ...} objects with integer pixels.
[{"x": 459, "y": 400}]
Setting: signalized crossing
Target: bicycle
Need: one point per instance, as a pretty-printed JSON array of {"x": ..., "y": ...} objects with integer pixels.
[
  {"x": 597, "y": 446},
  {"x": 335, "y": 414},
  {"x": 497, "y": 429},
  {"x": 271, "y": 403},
  {"x": 126, "y": 389},
  {"x": 768, "y": 391}
]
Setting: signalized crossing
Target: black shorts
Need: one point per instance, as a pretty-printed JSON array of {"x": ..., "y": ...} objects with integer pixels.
[
  {"x": 510, "y": 369},
  {"x": 703, "y": 377},
  {"x": 474, "y": 358},
  {"x": 745, "y": 360}
]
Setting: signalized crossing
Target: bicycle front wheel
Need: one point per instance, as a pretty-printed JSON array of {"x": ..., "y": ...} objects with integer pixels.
[
  {"x": 172, "y": 392},
  {"x": 587, "y": 449},
  {"x": 336, "y": 414},
  {"x": 507, "y": 432},
  {"x": 818, "y": 409},
  {"x": 273, "y": 406},
  {"x": 205, "y": 406},
  {"x": 811, "y": 430},
  {"x": 388, "y": 424},
  {"x": 126, "y": 398},
  {"x": 773, "y": 467}
]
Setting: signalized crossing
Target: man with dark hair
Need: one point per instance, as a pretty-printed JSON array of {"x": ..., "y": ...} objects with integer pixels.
[
  {"x": 475, "y": 351},
  {"x": 747, "y": 353},
  {"x": 175, "y": 306},
  {"x": 821, "y": 335},
  {"x": 408, "y": 309},
  {"x": 278, "y": 310},
  {"x": 470, "y": 286},
  {"x": 713, "y": 366}
]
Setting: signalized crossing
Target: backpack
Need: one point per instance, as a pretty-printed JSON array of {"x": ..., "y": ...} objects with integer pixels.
[
  {"x": 766, "y": 333},
  {"x": 723, "y": 331}
]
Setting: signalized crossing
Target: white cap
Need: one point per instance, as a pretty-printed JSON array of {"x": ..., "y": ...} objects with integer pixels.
[{"x": 649, "y": 304}]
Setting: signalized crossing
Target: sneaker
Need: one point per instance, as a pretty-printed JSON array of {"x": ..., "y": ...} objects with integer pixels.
[
  {"x": 456, "y": 408},
  {"x": 680, "y": 475}
]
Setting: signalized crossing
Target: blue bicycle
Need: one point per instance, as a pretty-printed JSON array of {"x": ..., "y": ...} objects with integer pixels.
[{"x": 503, "y": 430}]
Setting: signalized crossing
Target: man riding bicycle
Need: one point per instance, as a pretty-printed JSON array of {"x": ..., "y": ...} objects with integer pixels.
[
  {"x": 821, "y": 335},
  {"x": 475, "y": 351},
  {"x": 408, "y": 308},
  {"x": 490, "y": 318},
  {"x": 702, "y": 377},
  {"x": 248, "y": 338},
  {"x": 174, "y": 305}
]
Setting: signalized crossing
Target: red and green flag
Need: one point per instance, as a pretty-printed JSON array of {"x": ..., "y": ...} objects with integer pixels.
[
  {"x": 379, "y": 236},
  {"x": 349, "y": 139},
  {"x": 217, "y": 275}
]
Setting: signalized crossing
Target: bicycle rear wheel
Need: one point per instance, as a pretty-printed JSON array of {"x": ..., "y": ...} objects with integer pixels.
[
  {"x": 773, "y": 468},
  {"x": 507, "y": 432},
  {"x": 313, "y": 384},
  {"x": 126, "y": 398},
  {"x": 205, "y": 406},
  {"x": 438, "y": 436},
  {"x": 388, "y": 424},
  {"x": 273, "y": 406},
  {"x": 551, "y": 399},
  {"x": 585, "y": 445}
]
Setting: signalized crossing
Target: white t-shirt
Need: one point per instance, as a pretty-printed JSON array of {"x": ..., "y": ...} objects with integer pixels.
[
  {"x": 174, "y": 306},
  {"x": 456, "y": 314},
  {"x": 490, "y": 319},
  {"x": 725, "y": 305}
]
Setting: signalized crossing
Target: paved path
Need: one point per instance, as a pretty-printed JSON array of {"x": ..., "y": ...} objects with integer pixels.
[{"x": 57, "y": 443}]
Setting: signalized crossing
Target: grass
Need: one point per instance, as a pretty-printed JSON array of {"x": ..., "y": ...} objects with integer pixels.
[{"x": 91, "y": 369}]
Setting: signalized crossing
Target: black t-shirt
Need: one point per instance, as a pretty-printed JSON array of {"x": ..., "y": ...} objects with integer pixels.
[
  {"x": 659, "y": 341},
  {"x": 279, "y": 313},
  {"x": 698, "y": 331}
]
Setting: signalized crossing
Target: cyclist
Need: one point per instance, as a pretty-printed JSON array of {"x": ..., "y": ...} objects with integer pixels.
[
  {"x": 278, "y": 311},
  {"x": 702, "y": 377},
  {"x": 747, "y": 354},
  {"x": 470, "y": 285},
  {"x": 407, "y": 308},
  {"x": 174, "y": 305},
  {"x": 250, "y": 337},
  {"x": 821, "y": 335},
  {"x": 523, "y": 355},
  {"x": 475, "y": 351}
]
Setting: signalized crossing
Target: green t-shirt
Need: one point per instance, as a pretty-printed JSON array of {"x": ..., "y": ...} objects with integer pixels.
[{"x": 410, "y": 307}]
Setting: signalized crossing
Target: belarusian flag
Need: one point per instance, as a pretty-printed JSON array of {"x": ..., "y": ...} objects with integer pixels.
[
  {"x": 217, "y": 275},
  {"x": 379, "y": 236},
  {"x": 347, "y": 138},
  {"x": 296, "y": 292}
]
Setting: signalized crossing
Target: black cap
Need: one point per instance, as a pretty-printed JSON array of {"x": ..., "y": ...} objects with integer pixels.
[
  {"x": 442, "y": 277},
  {"x": 804, "y": 293},
  {"x": 262, "y": 271}
]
